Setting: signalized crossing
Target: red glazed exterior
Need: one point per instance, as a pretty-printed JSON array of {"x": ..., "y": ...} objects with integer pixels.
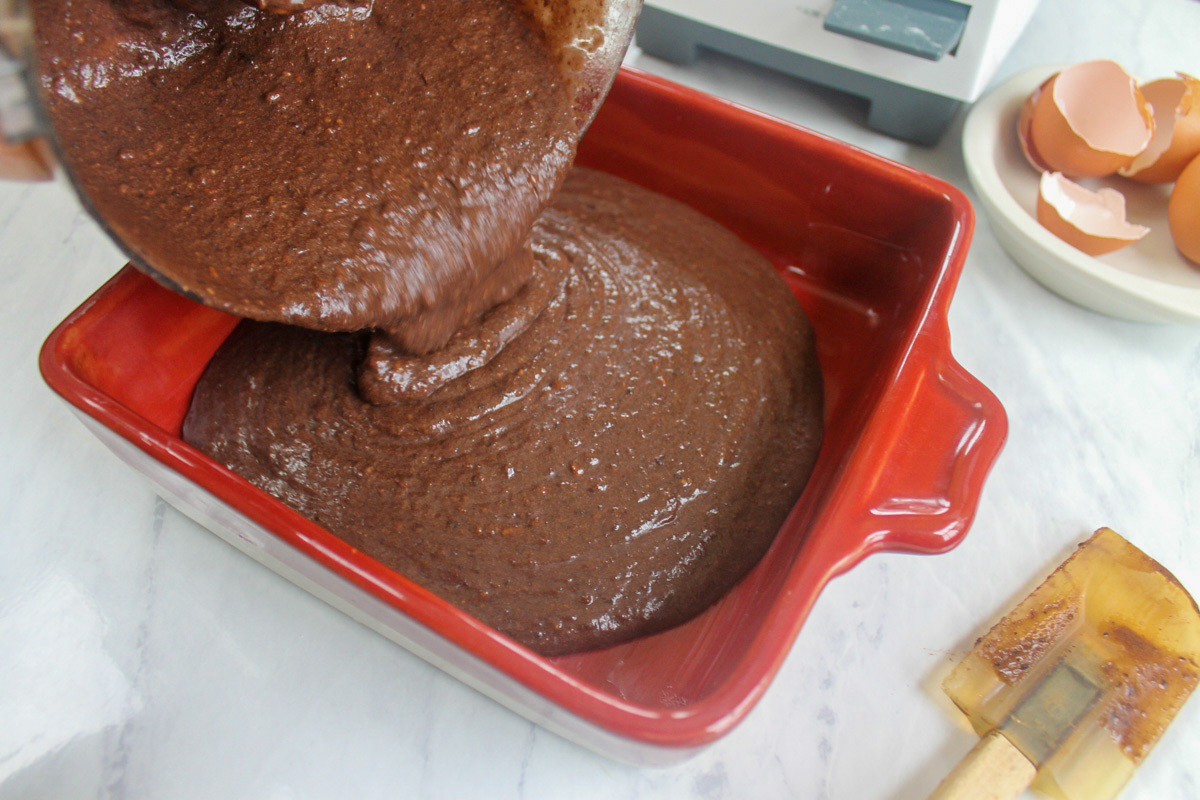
[{"x": 873, "y": 250}]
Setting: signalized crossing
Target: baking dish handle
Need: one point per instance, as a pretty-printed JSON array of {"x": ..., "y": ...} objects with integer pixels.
[{"x": 935, "y": 456}]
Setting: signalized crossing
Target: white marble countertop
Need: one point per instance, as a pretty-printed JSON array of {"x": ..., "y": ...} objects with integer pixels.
[{"x": 142, "y": 657}]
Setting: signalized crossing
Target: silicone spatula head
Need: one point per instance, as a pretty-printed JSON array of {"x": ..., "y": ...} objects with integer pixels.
[{"x": 1083, "y": 676}]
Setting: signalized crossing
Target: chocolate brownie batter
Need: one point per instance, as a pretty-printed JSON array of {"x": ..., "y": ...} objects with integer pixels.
[
  {"x": 597, "y": 459},
  {"x": 360, "y": 164},
  {"x": 284, "y": 6},
  {"x": 580, "y": 435}
]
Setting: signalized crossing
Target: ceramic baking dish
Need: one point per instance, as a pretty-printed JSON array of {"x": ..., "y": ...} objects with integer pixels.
[{"x": 871, "y": 248}]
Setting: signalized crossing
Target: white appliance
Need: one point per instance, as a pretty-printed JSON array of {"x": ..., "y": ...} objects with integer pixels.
[{"x": 915, "y": 61}]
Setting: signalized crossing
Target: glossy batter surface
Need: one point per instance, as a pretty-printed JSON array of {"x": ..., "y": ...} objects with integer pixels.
[
  {"x": 598, "y": 458},
  {"x": 361, "y": 164}
]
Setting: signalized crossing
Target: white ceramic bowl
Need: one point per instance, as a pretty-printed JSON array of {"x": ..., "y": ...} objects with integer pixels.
[{"x": 1148, "y": 281}]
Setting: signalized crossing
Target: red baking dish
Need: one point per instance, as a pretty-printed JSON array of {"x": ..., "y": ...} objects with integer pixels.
[{"x": 872, "y": 249}]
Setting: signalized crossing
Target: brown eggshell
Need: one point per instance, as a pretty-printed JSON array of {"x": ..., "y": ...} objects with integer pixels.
[
  {"x": 1183, "y": 211},
  {"x": 1090, "y": 120},
  {"x": 1093, "y": 222},
  {"x": 1176, "y": 141},
  {"x": 1025, "y": 123}
]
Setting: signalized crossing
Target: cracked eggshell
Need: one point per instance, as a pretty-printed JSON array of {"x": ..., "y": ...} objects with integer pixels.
[
  {"x": 1090, "y": 120},
  {"x": 1183, "y": 211},
  {"x": 1025, "y": 124},
  {"x": 1093, "y": 222},
  {"x": 1176, "y": 140}
]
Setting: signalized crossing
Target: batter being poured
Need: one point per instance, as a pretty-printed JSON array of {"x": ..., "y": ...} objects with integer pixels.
[
  {"x": 581, "y": 427},
  {"x": 356, "y": 165}
]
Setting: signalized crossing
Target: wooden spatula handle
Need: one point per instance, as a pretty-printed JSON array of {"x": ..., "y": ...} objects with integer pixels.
[{"x": 993, "y": 770}]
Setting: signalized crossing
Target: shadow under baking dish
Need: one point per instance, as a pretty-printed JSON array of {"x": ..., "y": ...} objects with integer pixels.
[{"x": 871, "y": 248}]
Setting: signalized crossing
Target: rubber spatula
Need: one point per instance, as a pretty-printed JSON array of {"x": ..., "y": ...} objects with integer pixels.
[{"x": 1073, "y": 687}]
